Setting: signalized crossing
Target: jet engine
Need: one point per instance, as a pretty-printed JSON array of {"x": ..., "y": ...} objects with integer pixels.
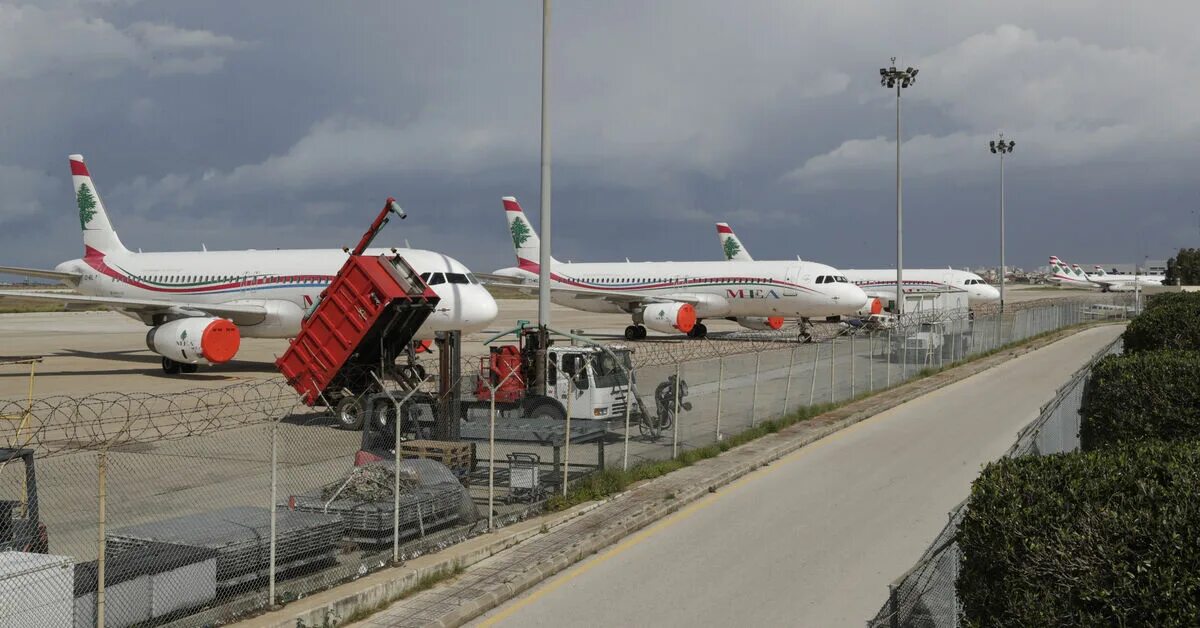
[
  {"x": 760, "y": 323},
  {"x": 195, "y": 340},
  {"x": 874, "y": 306},
  {"x": 669, "y": 317}
]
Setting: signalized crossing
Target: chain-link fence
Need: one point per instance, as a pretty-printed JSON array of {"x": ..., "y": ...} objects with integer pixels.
[
  {"x": 199, "y": 507},
  {"x": 926, "y": 596}
]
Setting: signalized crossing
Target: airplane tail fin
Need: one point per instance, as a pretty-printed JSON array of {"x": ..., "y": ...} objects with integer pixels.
[
  {"x": 1099, "y": 271},
  {"x": 1078, "y": 272},
  {"x": 1059, "y": 267},
  {"x": 98, "y": 232},
  {"x": 525, "y": 240},
  {"x": 731, "y": 245}
]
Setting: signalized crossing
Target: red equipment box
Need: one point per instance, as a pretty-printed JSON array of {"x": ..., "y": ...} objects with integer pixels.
[{"x": 366, "y": 317}]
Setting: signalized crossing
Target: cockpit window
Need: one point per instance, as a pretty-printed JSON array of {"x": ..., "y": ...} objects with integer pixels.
[
  {"x": 456, "y": 278},
  {"x": 821, "y": 278},
  {"x": 473, "y": 279},
  {"x": 433, "y": 279},
  {"x": 840, "y": 279}
]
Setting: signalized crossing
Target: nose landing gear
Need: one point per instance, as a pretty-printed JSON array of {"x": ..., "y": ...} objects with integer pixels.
[{"x": 635, "y": 332}]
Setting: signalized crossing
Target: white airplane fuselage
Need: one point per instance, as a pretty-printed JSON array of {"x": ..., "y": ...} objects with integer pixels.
[
  {"x": 717, "y": 289},
  {"x": 978, "y": 291},
  {"x": 284, "y": 282}
]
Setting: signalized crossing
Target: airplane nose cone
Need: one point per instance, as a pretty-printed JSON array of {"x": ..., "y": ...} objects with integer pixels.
[
  {"x": 481, "y": 309},
  {"x": 851, "y": 298},
  {"x": 991, "y": 294}
]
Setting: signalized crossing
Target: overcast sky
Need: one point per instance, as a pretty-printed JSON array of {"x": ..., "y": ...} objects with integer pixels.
[{"x": 286, "y": 124}]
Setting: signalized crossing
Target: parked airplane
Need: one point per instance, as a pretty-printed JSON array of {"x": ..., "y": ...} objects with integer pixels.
[
  {"x": 884, "y": 279},
  {"x": 678, "y": 296},
  {"x": 200, "y": 304},
  {"x": 1068, "y": 275},
  {"x": 1123, "y": 283}
]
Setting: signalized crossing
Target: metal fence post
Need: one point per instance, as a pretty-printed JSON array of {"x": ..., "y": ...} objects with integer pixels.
[
  {"x": 630, "y": 399},
  {"x": 871, "y": 362},
  {"x": 274, "y": 498},
  {"x": 851, "y": 366},
  {"x": 567, "y": 443},
  {"x": 675, "y": 418},
  {"x": 492, "y": 463},
  {"x": 754, "y": 393},
  {"x": 101, "y": 541},
  {"x": 787, "y": 388},
  {"x": 889, "y": 358},
  {"x": 832, "y": 369},
  {"x": 720, "y": 392},
  {"x": 904, "y": 359},
  {"x": 812, "y": 388}
]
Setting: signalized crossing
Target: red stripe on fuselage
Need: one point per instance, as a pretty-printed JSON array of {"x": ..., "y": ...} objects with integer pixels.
[
  {"x": 534, "y": 267},
  {"x": 95, "y": 259}
]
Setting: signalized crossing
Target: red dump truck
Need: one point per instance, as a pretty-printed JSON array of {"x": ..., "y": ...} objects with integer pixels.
[{"x": 363, "y": 321}]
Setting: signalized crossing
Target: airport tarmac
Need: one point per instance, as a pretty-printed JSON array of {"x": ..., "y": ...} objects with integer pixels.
[{"x": 93, "y": 352}]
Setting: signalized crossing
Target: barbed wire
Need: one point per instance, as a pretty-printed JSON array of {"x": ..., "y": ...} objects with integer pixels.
[{"x": 63, "y": 424}]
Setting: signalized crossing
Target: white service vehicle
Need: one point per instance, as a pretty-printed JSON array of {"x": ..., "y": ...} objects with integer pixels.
[{"x": 935, "y": 322}]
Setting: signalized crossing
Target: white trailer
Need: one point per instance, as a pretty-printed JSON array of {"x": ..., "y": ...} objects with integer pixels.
[{"x": 936, "y": 320}]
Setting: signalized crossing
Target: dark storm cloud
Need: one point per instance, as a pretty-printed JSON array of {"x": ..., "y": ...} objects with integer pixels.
[{"x": 285, "y": 124}]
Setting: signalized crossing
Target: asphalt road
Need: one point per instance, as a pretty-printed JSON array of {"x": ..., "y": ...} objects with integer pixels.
[{"x": 814, "y": 539}]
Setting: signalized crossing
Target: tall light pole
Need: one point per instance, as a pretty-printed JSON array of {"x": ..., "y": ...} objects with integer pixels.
[
  {"x": 1001, "y": 147},
  {"x": 544, "y": 252},
  {"x": 891, "y": 77}
]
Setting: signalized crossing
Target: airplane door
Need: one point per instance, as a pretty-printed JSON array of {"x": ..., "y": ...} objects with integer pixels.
[{"x": 793, "y": 277}]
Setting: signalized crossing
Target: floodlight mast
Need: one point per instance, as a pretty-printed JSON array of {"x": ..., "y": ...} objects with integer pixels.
[
  {"x": 1001, "y": 147},
  {"x": 893, "y": 77}
]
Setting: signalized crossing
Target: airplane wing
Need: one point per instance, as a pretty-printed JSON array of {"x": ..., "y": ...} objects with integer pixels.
[
  {"x": 240, "y": 314},
  {"x": 39, "y": 273}
]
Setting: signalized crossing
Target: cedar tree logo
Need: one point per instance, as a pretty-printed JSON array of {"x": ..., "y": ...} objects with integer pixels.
[
  {"x": 731, "y": 247},
  {"x": 87, "y": 204},
  {"x": 520, "y": 232}
]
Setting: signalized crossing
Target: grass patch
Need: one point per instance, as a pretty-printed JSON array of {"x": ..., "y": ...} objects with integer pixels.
[
  {"x": 426, "y": 582},
  {"x": 612, "y": 481}
]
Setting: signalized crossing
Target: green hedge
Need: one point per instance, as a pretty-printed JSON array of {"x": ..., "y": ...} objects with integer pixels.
[
  {"x": 1139, "y": 396},
  {"x": 1173, "y": 324},
  {"x": 1102, "y": 538},
  {"x": 1163, "y": 299}
]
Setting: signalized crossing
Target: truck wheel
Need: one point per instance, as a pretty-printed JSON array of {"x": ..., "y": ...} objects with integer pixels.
[
  {"x": 349, "y": 413},
  {"x": 545, "y": 408}
]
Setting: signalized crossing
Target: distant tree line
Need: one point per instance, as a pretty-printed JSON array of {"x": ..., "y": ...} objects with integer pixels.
[{"x": 1184, "y": 267}]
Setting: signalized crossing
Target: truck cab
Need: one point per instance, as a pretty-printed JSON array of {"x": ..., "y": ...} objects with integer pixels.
[{"x": 588, "y": 381}]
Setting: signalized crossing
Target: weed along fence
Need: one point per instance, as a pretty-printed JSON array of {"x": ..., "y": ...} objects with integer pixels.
[
  {"x": 926, "y": 596},
  {"x": 201, "y": 507}
]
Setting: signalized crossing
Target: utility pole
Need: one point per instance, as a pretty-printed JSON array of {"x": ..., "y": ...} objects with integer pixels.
[
  {"x": 1001, "y": 147},
  {"x": 891, "y": 77},
  {"x": 544, "y": 255}
]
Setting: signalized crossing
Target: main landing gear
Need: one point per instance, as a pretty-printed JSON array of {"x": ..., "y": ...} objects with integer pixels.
[
  {"x": 698, "y": 331},
  {"x": 635, "y": 332},
  {"x": 171, "y": 367}
]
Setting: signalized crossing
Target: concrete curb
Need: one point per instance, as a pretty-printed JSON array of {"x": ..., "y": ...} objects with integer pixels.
[{"x": 686, "y": 485}]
